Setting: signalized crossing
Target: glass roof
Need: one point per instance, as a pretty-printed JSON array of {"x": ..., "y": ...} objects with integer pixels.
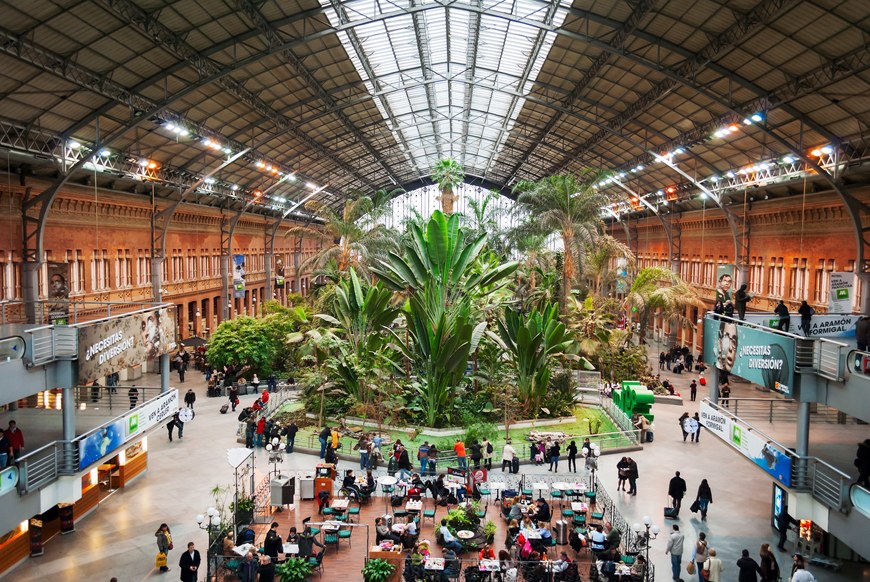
[{"x": 445, "y": 78}]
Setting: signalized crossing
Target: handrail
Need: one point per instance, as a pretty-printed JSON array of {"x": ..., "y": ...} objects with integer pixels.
[{"x": 828, "y": 485}]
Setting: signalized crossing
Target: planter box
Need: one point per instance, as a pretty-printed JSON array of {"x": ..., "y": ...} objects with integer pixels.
[
  {"x": 668, "y": 399},
  {"x": 440, "y": 432}
]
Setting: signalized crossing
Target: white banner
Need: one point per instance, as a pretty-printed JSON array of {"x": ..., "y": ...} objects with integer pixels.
[
  {"x": 821, "y": 325},
  {"x": 151, "y": 413},
  {"x": 841, "y": 292}
]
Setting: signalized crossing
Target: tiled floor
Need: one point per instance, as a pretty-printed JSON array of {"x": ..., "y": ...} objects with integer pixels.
[{"x": 118, "y": 539}]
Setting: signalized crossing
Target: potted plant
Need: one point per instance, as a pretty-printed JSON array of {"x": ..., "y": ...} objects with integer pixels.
[
  {"x": 489, "y": 531},
  {"x": 244, "y": 509},
  {"x": 377, "y": 570},
  {"x": 293, "y": 570}
]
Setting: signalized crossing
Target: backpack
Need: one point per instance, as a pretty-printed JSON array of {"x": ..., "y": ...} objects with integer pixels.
[
  {"x": 489, "y": 448},
  {"x": 396, "y": 500}
]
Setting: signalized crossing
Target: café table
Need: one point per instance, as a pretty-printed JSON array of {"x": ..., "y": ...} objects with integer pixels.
[
  {"x": 291, "y": 549},
  {"x": 433, "y": 567},
  {"x": 243, "y": 549},
  {"x": 340, "y": 504},
  {"x": 414, "y": 506},
  {"x": 579, "y": 507},
  {"x": 331, "y": 526},
  {"x": 491, "y": 566},
  {"x": 465, "y": 534},
  {"x": 539, "y": 486}
]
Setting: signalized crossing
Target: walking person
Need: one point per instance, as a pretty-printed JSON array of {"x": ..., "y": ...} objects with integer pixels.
[
  {"x": 363, "y": 445},
  {"x": 133, "y": 395},
  {"x": 4, "y": 450},
  {"x": 806, "y": 312},
  {"x": 693, "y": 390},
  {"x": 769, "y": 566},
  {"x": 488, "y": 449},
  {"x": 572, "y": 456},
  {"x": 661, "y": 360},
  {"x": 696, "y": 437},
  {"x": 704, "y": 498},
  {"x": 16, "y": 442},
  {"x": 182, "y": 368},
  {"x": 190, "y": 398},
  {"x": 725, "y": 395},
  {"x": 233, "y": 394},
  {"x": 554, "y": 453},
  {"x": 676, "y": 490},
  {"x": 175, "y": 423},
  {"x": 322, "y": 437},
  {"x": 507, "y": 456},
  {"x": 799, "y": 572},
  {"x": 749, "y": 568},
  {"x": 423, "y": 456},
  {"x": 675, "y": 548},
  {"x": 714, "y": 567},
  {"x": 700, "y": 553},
  {"x": 164, "y": 543},
  {"x": 622, "y": 468},
  {"x": 682, "y": 420}
]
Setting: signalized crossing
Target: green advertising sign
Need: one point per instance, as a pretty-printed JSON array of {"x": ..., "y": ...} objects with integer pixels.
[{"x": 754, "y": 354}]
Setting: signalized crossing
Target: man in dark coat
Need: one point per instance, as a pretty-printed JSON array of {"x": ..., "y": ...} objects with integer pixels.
[
  {"x": 676, "y": 490},
  {"x": 273, "y": 544},
  {"x": 189, "y": 564},
  {"x": 748, "y": 567},
  {"x": 784, "y": 316},
  {"x": 290, "y": 432}
]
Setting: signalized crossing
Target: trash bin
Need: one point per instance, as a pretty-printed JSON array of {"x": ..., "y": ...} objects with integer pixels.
[
  {"x": 561, "y": 529},
  {"x": 306, "y": 486},
  {"x": 277, "y": 488}
]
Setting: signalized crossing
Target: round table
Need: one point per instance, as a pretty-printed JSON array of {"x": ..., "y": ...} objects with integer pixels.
[
  {"x": 464, "y": 534},
  {"x": 387, "y": 480}
]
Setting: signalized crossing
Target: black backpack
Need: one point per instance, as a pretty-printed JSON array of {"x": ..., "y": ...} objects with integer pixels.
[
  {"x": 396, "y": 500},
  {"x": 489, "y": 448}
]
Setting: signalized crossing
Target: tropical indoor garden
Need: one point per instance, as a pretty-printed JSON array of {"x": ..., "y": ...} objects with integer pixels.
[{"x": 474, "y": 316}]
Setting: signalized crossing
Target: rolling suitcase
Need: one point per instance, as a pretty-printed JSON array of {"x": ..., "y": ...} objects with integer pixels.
[
  {"x": 224, "y": 408},
  {"x": 671, "y": 513},
  {"x": 515, "y": 465}
]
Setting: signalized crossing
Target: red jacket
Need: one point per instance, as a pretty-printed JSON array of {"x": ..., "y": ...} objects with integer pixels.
[
  {"x": 261, "y": 425},
  {"x": 265, "y": 396},
  {"x": 16, "y": 438}
]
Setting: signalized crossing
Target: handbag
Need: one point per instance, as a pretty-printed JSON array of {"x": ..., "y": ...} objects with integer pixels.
[
  {"x": 695, "y": 506},
  {"x": 160, "y": 561},
  {"x": 170, "y": 545},
  {"x": 690, "y": 567}
]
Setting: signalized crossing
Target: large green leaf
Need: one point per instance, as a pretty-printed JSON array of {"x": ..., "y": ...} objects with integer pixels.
[{"x": 437, "y": 240}]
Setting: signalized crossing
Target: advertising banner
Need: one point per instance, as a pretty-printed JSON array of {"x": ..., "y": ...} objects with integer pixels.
[
  {"x": 101, "y": 442},
  {"x": 109, "y": 346},
  {"x": 621, "y": 275},
  {"x": 36, "y": 542},
  {"x": 239, "y": 276},
  {"x": 832, "y": 326},
  {"x": 841, "y": 292},
  {"x": 58, "y": 293},
  {"x": 765, "y": 454},
  {"x": 724, "y": 283},
  {"x": 151, "y": 413},
  {"x": 755, "y": 355},
  {"x": 279, "y": 273}
]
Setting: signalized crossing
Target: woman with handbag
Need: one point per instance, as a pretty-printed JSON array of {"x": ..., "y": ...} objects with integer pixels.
[
  {"x": 699, "y": 557},
  {"x": 704, "y": 498},
  {"x": 713, "y": 567},
  {"x": 622, "y": 472},
  {"x": 769, "y": 566},
  {"x": 164, "y": 544}
]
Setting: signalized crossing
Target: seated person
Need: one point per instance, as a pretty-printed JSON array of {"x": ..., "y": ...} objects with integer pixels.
[
  {"x": 451, "y": 565},
  {"x": 450, "y": 542},
  {"x": 370, "y": 485},
  {"x": 527, "y": 523},
  {"x": 229, "y": 544},
  {"x": 292, "y": 536},
  {"x": 349, "y": 483},
  {"x": 417, "y": 559},
  {"x": 486, "y": 553},
  {"x": 516, "y": 511},
  {"x": 614, "y": 536},
  {"x": 542, "y": 512},
  {"x": 564, "y": 568},
  {"x": 307, "y": 541},
  {"x": 384, "y": 533},
  {"x": 246, "y": 535},
  {"x": 597, "y": 539},
  {"x": 409, "y": 535},
  {"x": 638, "y": 569},
  {"x": 533, "y": 569},
  {"x": 513, "y": 532}
]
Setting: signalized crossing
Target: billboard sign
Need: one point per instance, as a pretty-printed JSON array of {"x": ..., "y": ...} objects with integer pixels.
[
  {"x": 58, "y": 293},
  {"x": 239, "y": 276},
  {"x": 151, "y": 413},
  {"x": 101, "y": 442},
  {"x": 108, "y": 346},
  {"x": 841, "y": 292},
  {"x": 279, "y": 273},
  {"x": 821, "y": 325},
  {"x": 768, "y": 456},
  {"x": 753, "y": 354}
]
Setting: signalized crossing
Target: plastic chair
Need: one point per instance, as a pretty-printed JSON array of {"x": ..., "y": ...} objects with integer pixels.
[
  {"x": 351, "y": 511},
  {"x": 316, "y": 563},
  {"x": 330, "y": 539},
  {"x": 429, "y": 514},
  {"x": 344, "y": 534}
]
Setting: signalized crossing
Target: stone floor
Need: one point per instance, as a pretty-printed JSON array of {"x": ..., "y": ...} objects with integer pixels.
[{"x": 118, "y": 538}]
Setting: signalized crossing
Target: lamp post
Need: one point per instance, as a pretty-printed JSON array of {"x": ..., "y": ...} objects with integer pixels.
[
  {"x": 210, "y": 522},
  {"x": 275, "y": 455},
  {"x": 650, "y": 532}
]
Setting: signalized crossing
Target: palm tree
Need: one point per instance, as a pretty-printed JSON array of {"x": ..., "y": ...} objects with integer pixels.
[
  {"x": 600, "y": 258},
  {"x": 660, "y": 289},
  {"x": 448, "y": 174},
  {"x": 353, "y": 238},
  {"x": 570, "y": 206}
]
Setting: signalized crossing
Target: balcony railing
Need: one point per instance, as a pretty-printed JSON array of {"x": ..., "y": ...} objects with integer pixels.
[{"x": 49, "y": 343}]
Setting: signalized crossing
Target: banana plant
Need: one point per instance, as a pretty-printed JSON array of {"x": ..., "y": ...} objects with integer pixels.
[
  {"x": 531, "y": 340},
  {"x": 440, "y": 274}
]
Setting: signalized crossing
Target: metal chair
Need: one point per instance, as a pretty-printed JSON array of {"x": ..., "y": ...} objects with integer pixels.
[{"x": 344, "y": 534}]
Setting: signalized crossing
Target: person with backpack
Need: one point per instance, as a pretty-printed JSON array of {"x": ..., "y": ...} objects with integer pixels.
[
  {"x": 806, "y": 312},
  {"x": 423, "y": 456},
  {"x": 487, "y": 454}
]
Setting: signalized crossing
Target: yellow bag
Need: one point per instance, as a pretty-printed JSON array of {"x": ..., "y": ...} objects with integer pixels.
[{"x": 160, "y": 562}]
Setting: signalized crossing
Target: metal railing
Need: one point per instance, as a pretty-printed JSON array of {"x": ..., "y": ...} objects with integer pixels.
[
  {"x": 828, "y": 485},
  {"x": 783, "y": 410},
  {"x": 14, "y": 312},
  {"x": 60, "y": 457},
  {"x": 830, "y": 359},
  {"x": 49, "y": 343}
]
